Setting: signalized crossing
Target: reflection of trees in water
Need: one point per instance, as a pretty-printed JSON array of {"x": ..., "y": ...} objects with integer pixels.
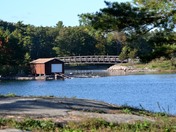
[
  {"x": 86, "y": 73},
  {"x": 93, "y": 73}
]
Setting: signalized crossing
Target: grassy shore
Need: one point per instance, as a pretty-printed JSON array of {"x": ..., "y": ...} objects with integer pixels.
[
  {"x": 87, "y": 125},
  {"x": 161, "y": 122},
  {"x": 160, "y": 65},
  {"x": 157, "y": 66}
]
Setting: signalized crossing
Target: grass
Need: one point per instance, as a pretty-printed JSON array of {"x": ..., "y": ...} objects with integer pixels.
[
  {"x": 8, "y": 95},
  {"x": 27, "y": 124},
  {"x": 160, "y": 64},
  {"x": 163, "y": 124}
]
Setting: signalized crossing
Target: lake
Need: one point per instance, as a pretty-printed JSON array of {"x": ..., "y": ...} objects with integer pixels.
[{"x": 154, "y": 92}]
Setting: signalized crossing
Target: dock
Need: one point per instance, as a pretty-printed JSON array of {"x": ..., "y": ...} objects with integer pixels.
[{"x": 43, "y": 77}]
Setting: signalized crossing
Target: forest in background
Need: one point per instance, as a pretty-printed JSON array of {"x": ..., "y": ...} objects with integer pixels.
[{"x": 143, "y": 29}]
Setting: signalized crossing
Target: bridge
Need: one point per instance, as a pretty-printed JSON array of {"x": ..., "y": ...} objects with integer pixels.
[{"x": 96, "y": 59}]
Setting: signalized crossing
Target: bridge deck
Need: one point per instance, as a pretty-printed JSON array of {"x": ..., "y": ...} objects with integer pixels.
[{"x": 91, "y": 59}]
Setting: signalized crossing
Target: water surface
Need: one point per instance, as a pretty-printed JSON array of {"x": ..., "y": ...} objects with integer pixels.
[{"x": 152, "y": 92}]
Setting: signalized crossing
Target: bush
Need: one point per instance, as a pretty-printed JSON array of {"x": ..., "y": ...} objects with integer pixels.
[{"x": 162, "y": 64}]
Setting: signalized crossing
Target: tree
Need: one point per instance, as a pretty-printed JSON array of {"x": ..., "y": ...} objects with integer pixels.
[
  {"x": 12, "y": 52},
  {"x": 139, "y": 18},
  {"x": 74, "y": 41},
  {"x": 107, "y": 43},
  {"x": 42, "y": 42},
  {"x": 136, "y": 20},
  {"x": 116, "y": 40},
  {"x": 20, "y": 43},
  {"x": 59, "y": 24}
]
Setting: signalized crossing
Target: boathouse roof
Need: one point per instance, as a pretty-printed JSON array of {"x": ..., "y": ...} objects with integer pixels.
[{"x": 43, "y": 60}]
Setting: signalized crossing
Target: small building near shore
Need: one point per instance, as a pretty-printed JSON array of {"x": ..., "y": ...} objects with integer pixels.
[{"x": 47, "y": 66}]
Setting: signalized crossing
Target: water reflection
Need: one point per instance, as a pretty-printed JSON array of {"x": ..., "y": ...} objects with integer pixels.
[{"x": 92, "y": 73}]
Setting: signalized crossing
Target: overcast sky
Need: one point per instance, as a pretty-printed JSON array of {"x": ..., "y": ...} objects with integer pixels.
[{"x": 49, "y": 12}]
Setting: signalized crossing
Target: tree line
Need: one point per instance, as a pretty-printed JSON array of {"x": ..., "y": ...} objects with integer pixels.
[
  {"x": 143, "y": 29},
  {"x": 20, "y": 43}
]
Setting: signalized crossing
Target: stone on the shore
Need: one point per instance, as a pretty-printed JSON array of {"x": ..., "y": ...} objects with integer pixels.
[{"x": 120, "y": 68}]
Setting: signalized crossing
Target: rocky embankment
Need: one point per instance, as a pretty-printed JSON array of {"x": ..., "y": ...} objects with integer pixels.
[
  {"x": 63, "y": 110},
  {"x": 129, "y": 69}
]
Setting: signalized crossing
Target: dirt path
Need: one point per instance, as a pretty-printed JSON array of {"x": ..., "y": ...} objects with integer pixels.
[{"x": 63, "y": 110}]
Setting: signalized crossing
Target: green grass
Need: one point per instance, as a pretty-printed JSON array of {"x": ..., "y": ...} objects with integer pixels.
[
  {"x": 162, "y": 124},
  {"x": 160, "y": 64},
  {"x": 8, "y": 95},
  {"x": 27, "y": 124}
]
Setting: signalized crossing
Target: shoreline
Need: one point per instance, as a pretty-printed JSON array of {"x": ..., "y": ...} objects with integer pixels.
[
  {"x": 114, "y": 70},
  {"x": 64, "y": 110},
  {"x": 50, "y": 77},
  {"x": 59, "y": 113},
  {"x": 132, "y": 70}
]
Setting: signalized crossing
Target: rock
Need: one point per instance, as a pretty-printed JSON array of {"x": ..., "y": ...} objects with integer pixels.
[
  {"x": 63, "y": 110},
  {"x": 13, "y": 130},
  {"x": 130, "y": 69},
  {"x": 120, "y": 68},
  {"x": 113, "y": 118}
]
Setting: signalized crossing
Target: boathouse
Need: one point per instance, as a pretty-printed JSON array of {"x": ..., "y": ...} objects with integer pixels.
[{"x": 47, "y": 66}]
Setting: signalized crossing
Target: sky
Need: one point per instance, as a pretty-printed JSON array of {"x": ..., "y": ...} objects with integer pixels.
[{"x": 49, "y": 12}]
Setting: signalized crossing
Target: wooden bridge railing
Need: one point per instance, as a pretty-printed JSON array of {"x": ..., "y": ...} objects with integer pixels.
[{"x": 102, "y": 59}]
